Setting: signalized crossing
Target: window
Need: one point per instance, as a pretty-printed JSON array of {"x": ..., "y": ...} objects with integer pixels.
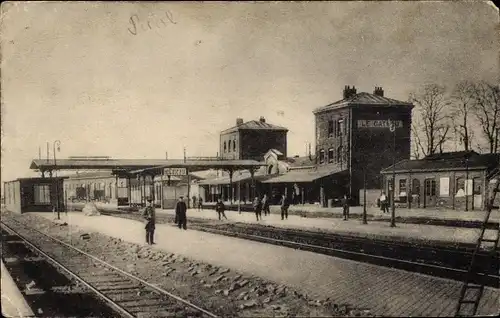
[
  {"x": 477, "y": 186},
  {"x": 234, "y": 145},
  {"x": 42, "y": 194},
  {"x": 389, "y": 184},
  {"x": 330, "y": 155},
  {"x": 339, "y": 128},
  {"x": 430, "y": 187},
  {"x": 321, "y": 156},
  {"x": 402, "y": 187},
  {"x": 330, "y": 128},
  {"x": 225, "y": 149},
  {"x": 339, "y": 154},
  {"x": 460, "y": 187},
  {"x": 416, "y": 186},
  {"x": 229, "y": 146}
]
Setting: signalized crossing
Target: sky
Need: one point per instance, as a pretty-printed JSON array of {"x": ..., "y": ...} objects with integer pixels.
[{"x": 104, "y": 81}]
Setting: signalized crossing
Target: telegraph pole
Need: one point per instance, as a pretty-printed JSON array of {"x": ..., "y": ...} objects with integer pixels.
[{"x": 392, "y": 127}]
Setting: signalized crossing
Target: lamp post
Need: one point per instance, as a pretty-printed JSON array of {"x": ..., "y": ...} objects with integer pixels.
[
  {"x": 364, "y": 197},
  {"x": 58, "y": 143},
  {"x": 392, "y": 128}
]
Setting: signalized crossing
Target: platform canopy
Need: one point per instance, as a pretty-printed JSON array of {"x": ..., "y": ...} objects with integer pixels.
[
  {"x": 306, "y": 175},
  {"x": 136, "y": 166}
]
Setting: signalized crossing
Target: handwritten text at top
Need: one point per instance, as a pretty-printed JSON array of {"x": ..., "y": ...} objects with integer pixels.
[{"x": 138, "y": 24}]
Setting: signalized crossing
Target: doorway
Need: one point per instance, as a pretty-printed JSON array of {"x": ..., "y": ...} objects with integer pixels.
[{"x": 430, "y": 193}]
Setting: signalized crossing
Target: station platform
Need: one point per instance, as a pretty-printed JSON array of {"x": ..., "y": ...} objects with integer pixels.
[
  {"x": 385, "y": 291},
  {"x": 374, "y": 229},
  {"x": 312, "y": 210},
  {"x": 354, "y": 227},
  {"x": 13, "y": 301}
]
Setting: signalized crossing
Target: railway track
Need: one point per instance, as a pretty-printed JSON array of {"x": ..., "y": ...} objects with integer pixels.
[
  {"x": 126, "y": 294},
  {"x": 440, "y": 261}
]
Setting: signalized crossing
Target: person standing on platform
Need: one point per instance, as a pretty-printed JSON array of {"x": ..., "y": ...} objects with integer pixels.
[
  {"x": 384, "y": 204},
  {"x": 345, "y": 207},
  {"x": 200, "y": 204},
  {"x": 285, "y": 204},
  {"x": 149, "y": 215},
  {"x": 219, "y": 207},
  {"x": 265, "y": 205},
  {"x": 180, "y": 213},
  {"x": 257, "y": 206}
]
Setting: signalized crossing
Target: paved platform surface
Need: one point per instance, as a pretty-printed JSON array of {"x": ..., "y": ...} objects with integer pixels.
[
  {"x": 435, "y": 214},
  {"x": 13, "y": 302},
  {"x": 385, "y": 291},
  {"x": 352, "y": 226}
]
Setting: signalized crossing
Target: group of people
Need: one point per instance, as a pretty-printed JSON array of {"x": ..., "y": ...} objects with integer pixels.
[
  {"x": 260, "y": 205},
  {"x": 198, "y": 203},
  {"x": 149, "y": 215}
]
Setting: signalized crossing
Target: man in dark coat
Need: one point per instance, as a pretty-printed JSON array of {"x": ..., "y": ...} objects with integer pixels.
[
  {"x": 257, "y": 206},
  {"x": 149, "y": 216},
  {"x": 180, "y": 213},
  {"x": 345, "y": 207},
  {"x": 285, "y": 204},
  {"x": 200, "y": 204},
  {"x": 219, "y": 207}
]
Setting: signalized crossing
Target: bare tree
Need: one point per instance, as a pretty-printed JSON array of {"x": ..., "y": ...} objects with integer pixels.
[
  {"x": 461, "y": 110},
  {"x": 433, "y": 122},
  {"x": 486, "y": 109}
]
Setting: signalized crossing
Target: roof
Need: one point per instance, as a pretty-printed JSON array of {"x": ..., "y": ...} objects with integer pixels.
[
  {"x": 36, "y": 179},
  {"x": 363, "y": 99},
  {"x": 306, "y": 175},
  {"x": 100, "y": 174},
  {"x": 135, "y": 164},
  {"x": 304, "y": 161},
  {"x": 254, "y": 125},
  {"x": 448, "y": 161},
  {"x": 238, "y": 176}
]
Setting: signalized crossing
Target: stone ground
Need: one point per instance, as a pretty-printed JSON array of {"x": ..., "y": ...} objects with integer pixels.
[
  {"x": 385, "y": 291},
  {"x": 214, "y": 288}
]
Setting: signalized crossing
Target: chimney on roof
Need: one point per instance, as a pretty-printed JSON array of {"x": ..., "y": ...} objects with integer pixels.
[
  {"x": 239, "y": 121},
  {"x": 378, "y": 91},
  {"x": 262, "y": 119},
  {"x": 348, "y": 91}
]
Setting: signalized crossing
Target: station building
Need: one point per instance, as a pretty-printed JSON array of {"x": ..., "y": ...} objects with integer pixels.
[
  {"x": 452, "y": 180},
  {"x": 353, "y": 144},
  {"x": 354, "y": 133},
  {"x": 251, "y": 140}
]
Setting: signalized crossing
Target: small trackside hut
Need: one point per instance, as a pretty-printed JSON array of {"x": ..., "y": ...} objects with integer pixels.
[
  {"x": 34, "y": 195},
  {"x": 451, "y": 180}
]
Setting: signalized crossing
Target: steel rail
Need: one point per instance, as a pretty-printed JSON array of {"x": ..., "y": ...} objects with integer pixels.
[
  {"x": 122, "y": 272},
  {"x": 116, "y": 306}
]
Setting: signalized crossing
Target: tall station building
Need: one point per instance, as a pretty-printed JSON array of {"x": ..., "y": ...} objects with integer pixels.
[{"x": 355, "y": 133}]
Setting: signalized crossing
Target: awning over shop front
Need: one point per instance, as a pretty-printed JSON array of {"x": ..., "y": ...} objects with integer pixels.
[{"x": 304, "y": 176}]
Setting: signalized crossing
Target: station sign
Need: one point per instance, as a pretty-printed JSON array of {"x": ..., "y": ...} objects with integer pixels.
[
  {"x": 175, "y": 171},
  {"x": 380, "y": 123}
]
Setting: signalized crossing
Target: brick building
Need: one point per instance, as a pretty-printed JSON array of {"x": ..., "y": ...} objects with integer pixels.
[
  {"x": 251, "y": 140},
  {"x": 454, "y": 180},
  {"x": 354, "y": 133}
]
